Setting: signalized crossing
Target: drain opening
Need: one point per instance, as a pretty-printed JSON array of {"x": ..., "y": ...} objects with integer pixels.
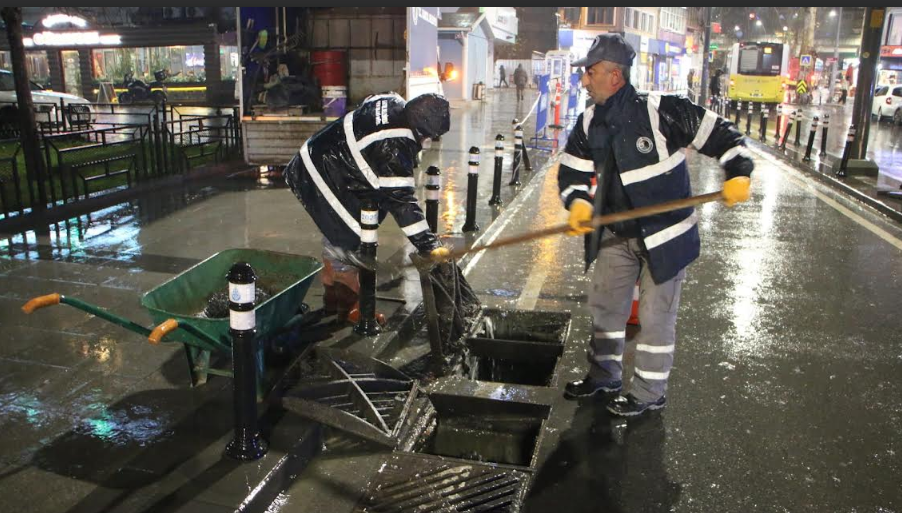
[
  {"x": 477, "y": 429},
  {"x": 519, "y": 347}
]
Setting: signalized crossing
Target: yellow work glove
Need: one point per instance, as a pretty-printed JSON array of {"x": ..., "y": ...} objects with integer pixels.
[
  {"x": 736, "y": 190},
  {"x": 439, "y": 254},
  {"x": 580, "y": 213}
]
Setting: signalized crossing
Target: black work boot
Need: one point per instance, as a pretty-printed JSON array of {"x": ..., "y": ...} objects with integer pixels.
[
  {"x": 629, "y": 406},
  {"x": 587, "y": 387}
]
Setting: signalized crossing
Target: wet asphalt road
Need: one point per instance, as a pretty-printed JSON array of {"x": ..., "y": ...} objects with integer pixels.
[{"x": 785, "y": 395}]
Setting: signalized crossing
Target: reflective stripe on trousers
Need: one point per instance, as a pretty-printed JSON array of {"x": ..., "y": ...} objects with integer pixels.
[{"x": 620, "y": 262}]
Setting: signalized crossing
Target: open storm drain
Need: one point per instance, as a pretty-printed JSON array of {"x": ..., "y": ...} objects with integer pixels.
[
  {"x": 476, "y": 429},
  {"x": 412, "y": 482},
  {"x": 519, "y": 347}
]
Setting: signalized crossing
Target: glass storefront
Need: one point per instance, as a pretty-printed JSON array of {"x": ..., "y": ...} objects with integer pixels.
[
  {"x": 36, "y": 62},
  {"x": 185, "y": 63},
  {"x": 71, "y": 72},
  {"x": 230, "y": 62}
]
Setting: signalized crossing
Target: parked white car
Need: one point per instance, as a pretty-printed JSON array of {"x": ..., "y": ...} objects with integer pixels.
[
  {"x": 888, "y": 103},
  {"x": 46, "y": 103}
]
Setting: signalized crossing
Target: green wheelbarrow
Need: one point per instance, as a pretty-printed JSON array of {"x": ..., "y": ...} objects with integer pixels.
[{"x": 177, "y": 306}]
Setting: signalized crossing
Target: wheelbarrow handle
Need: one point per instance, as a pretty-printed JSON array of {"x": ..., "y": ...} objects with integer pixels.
[
  {"x": 157, "y": 334},
  {"x": 41, "y": 302}
]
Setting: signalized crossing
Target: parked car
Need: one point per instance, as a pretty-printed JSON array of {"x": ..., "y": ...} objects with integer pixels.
[
  {"x": 888, "y": 103},
  {"x": 77, "y": 110}
]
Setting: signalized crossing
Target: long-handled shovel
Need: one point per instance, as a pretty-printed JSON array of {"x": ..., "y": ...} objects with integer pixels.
[{"x": 596, "y": 221}]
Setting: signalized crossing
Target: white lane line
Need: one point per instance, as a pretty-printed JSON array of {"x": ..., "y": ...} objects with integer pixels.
[
  {"x": 496, "y": 229},
  {"x": 530, "y": 295},
  {"x": 794, "y": 176}
]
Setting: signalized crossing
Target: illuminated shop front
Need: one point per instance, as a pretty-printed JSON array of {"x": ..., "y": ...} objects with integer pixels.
[{"x": 65, "y": 53}]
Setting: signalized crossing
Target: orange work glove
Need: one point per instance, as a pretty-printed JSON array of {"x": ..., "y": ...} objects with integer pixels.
[
  {"x": 580, "y": 214},
  {"x": 736, "y": 190}
]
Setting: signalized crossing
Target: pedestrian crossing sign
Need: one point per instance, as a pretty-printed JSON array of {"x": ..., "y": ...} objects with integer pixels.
[
  {"x": 802, "y": 86},
  {"x": 805, "y": 61}
]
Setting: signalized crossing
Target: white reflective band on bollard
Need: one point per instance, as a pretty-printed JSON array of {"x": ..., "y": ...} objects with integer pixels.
[
  {"x": 368, "y": 236},
  {"x": 242, "y": 321}
]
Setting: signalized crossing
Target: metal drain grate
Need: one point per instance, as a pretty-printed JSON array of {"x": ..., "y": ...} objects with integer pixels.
[
  {"x": 355, "y": 394},
  {"x": 417, "y": 483}
]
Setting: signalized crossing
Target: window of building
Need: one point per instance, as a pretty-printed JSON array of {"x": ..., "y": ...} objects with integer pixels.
[
  {"x": 894, "y": 30},
  {"x": 35, "y": 62},
  {"x": 644, "y": 26},
  {"x": 185, "y": 63},
  {"x": 600, "y": 16},
  {"x": 571, "y": 15},
  {"x": 635, "y": 24},
  {"x": 673, "y": 19},
  {"x": 229, "y": 61}
]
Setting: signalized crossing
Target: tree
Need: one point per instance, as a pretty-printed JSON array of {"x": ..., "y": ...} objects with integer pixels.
[{"x": 12, "y": 17}]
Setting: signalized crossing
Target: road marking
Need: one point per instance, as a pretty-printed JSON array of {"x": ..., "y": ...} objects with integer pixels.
[
  {"x": 495, "y": 229},
  {"x": 530, "y": 295},
  {"x": 795, "y": 176}
]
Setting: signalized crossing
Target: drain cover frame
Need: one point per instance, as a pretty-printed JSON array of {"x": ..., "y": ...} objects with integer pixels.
[{"x": 355, "y": 394}]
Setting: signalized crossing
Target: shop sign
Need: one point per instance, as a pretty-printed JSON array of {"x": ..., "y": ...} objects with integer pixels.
[
  {"x": 87, "y": 38},
  {"x": 891, "y": 51}
]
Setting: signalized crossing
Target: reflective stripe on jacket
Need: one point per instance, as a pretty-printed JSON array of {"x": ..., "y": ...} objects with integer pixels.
[
  {"x": 648, "y": 134},
  {"x": 369, "y": 153}
]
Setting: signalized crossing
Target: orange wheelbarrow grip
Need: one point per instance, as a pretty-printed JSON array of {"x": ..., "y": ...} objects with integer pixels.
[
  {"x": 156, "y": 336},
  {"x": 41, "y": 302}
]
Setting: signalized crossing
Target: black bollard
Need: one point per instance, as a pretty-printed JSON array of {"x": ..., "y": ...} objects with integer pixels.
[
  {"x": 499, "y": 161},
  {"x": 778, "y": 119},
  {"x": 472, "y": 184},
  {"x": 726, "y": 107},
  {"x": 433, "y": 191},
  {"x": 826, "y": 124},
  {"x": 841, "y": 172},
  {"x": 369, "y": 242},
  {"x": 518, "y": 156},
  {"x": 748, "y": 120},
  {"x": 811, "y": 132},
  {"x": 247, "y": 445},
  {"x": 518, "y": 135},
  {"x": 798, "y": 115},
  {"x": 788, "y": 131},
  {"x": 765, "y": 110},
  {"x": 738, "y": 113}
]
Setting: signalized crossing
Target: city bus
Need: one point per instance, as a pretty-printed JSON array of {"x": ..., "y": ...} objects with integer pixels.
[{"x": 758, "y": 71}]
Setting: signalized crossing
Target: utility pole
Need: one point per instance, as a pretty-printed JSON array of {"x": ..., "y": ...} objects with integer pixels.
[
  {"x": 835, "y": 68},
  {"x": 867, "y": 71},
  {"x": 703, "y": 94},
  {"x": 12, "y": 17}
]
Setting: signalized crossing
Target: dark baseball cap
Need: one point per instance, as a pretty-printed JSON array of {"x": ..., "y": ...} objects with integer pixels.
[{"x": 608, "y": 47}]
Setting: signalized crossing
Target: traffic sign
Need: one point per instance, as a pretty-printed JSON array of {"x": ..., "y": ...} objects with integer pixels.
[
  {"x": 802, "y": 86},
  {"x": 805, "y": 61}
]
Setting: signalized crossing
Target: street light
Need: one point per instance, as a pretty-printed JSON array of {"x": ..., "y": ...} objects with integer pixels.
[
  {"x": 832, "y": 13},
  {"x": 736, "y": 28},
  {"x": 758, "y": 23}
]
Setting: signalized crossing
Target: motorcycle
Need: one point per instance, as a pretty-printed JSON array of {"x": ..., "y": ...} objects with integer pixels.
[{"x": 140, "y": 91}]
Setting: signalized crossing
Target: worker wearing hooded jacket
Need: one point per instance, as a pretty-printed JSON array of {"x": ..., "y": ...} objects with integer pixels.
[
  {"x": 631, "y": 146},
  {"x": 368, "y": 153}
]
